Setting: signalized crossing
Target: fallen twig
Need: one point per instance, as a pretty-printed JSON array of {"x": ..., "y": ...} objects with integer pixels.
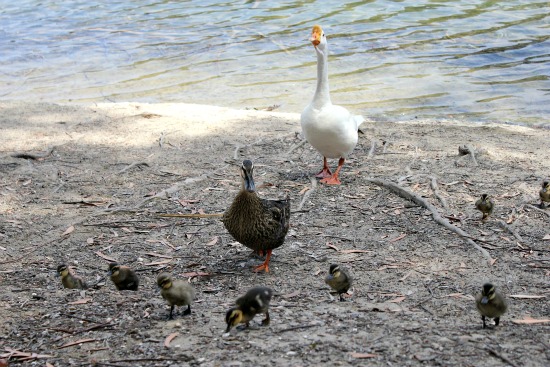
[
  {"x": 171, "y": 190},
  {"x": 296, "y": 146},
  {"x": 308, "y": 193},
  {"x": 129, "y": 167},
  {"x": 509, "y": 229},
  {"x": 502, "y": 357},
  {"x": 435, "y": 189},
  {"x": 307, "y": 326},
  {"x": 372, "y": 149},
  {"x": 196, "y": 215},
  {"x": 34, "y": 157},
  {"x": 409, "y": 195},
  {"x": 537, "y": 209}
]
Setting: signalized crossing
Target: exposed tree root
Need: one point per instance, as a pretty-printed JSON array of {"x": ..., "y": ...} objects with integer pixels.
[
  {"x": 409, "y": 195},
  {"x": 509, "y": 229},
  {"x": 435, "y": 189}
]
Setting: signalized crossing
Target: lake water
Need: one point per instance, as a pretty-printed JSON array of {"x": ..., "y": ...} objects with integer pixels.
[{"x": 476, "y": 60}]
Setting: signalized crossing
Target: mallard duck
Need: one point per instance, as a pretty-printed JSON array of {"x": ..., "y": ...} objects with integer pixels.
[
  {"x": 255, "y": 301},
  {"x": 338, "y": 280},
  {"x": 69, "y": 279},
  {"x": 176, "y": 292},
  {"x": 544, "y": 194},
  {"x": 123, "y": 277},
  {"x": 486, "y": 205},
  {"x": 330, "y": 129},
  {"x": 490, "y": 303},
  {"x": 259, "y": 224}
]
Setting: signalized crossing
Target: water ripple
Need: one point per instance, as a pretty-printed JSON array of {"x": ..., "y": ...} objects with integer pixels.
[{"x": 389, "y": 59}]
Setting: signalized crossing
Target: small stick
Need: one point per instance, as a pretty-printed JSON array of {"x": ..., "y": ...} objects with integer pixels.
[
  {"x": 537, "y": 209},
  {"x": 435, "y": 189},
  {"x": 197, "y": 215},
  {"x": 308, "y": 193},
  {"x": 34, "y": 157},
  {"x": 502, "y": 357},
  {"x": 296, "y": 146},
  {"x": 507, "y": 227},
  {"x": 129, "y": 167},
  {"x": 307, "y": 326},
  {"x": 372, "y": 149}
]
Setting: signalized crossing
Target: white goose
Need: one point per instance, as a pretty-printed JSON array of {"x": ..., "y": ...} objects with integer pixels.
[{"x": 330, "y": 129}]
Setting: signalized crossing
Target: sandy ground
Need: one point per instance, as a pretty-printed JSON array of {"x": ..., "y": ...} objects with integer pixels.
[{"x": 102, "y": 175}]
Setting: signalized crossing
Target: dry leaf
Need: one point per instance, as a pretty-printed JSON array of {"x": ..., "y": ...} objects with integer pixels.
[
  {"x": 546, "y": 237},
  {"x": 384, "y": 267},
  {"x": 108, "y": 258},
  {"x": 397, "y": 300},
  {"x": 68, "y": 231},
  {"x": 363, "y": 355},
  {"x": 169, "y": 338},
  {"x": 213, "y": 241},
  {"x": 81, "y": 341},
  {"x": 528, "y": 320},
  {"x": 80, "y": 301},
  {"x": 47, "y": 364},
  {"x": 398, "y": 237},
  {"x": 493, "y": 261},
  {"x": 526, "y": 296},
  {"x": 3, "y": 362}
]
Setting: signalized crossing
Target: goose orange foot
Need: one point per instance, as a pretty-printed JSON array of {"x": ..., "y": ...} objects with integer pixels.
[
  {"x": 334, "y": 180},
  {"x": 265, "y": 265},
  {"x": 325, "y": 172}
]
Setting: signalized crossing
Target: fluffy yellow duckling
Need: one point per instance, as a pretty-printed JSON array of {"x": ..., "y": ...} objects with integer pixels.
[
  {"x": 485, "y": 205},
  {"x": 123, "y": 277},
  {"x": 490, "y": 304},
  {"x": 69, "y": 279},
  {"x": 176, "y": 292},
  {"x": 338, "y": 280},
  {"x": 255, "y": 301}
]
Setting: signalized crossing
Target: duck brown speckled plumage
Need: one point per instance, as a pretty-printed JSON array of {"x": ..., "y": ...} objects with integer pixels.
[
  {"x": 259, "y": 224},
  {"x": 69, "y": 279},
  {"x": 123, "y": 277},
  {"x": 490, "y": 303},
  {"x": 255, "y": 301},
  {"x": 485, "y": 205},
  {"x": 544, "y": 194}
]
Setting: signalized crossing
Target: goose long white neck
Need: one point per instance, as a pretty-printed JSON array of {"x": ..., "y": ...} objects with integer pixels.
[{"x": 322, "y": 92}]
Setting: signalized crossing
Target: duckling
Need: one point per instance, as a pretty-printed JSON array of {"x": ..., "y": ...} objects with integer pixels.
[
  {"x": 544, "y": 194},
  {"x": 338, "y": 280},
  {"x": 176, "y": 292},
  {"x": 255, "y": 301},
  {"x": 259, "y": 224},
  {"x": 490, "y": 303},
  {"x": 486, "y": 205},
  {"x": 69, "y": 279},
  {"x": 123, "y": 277}
]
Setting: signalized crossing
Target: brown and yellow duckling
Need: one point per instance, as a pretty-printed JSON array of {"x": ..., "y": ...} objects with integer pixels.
[
  {"x": 255, "y": 301},
  {"x": 259, "y": 224},
  {"x": 485, "y": 205},
  {"x": 490, "y": 303},
  {"x": 123, "y": 277},
  {"x": 544, "y": 194},
  {"x": 338, "y": 280},
  {"x": 69, "y": 279},
  {"x": 176, "y": 292}
]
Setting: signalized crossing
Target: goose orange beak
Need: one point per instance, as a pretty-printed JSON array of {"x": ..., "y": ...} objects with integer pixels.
[{"x": 316, "y": 35}]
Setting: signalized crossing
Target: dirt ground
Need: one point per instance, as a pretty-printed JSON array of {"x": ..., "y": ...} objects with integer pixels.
[{"x": 103, "y": 174}]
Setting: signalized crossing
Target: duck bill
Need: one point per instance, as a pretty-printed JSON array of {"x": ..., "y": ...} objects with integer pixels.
[
  {"x": 249, "y": 183},
  {"x": 484, "y": 300},
  {"x": 315, "y": 38}
]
